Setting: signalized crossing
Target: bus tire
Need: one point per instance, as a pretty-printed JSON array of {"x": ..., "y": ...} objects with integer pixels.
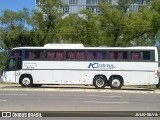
[
  {"x": 116, "y": 82},
  {"x": 26, "y": 81},
  {"x": 99, "y": 82}
]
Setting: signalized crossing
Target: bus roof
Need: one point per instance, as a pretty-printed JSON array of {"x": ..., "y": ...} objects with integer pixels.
[
  {"x": 71, "y": 46},
  {"x": 64, "y": 45}
]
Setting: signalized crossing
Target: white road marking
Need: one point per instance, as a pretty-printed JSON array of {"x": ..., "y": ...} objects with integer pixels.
[
  {"x": 13, "y": 94},
  {"x": 104, "y": 96},
  {"x": 107, "y": 102},
  {"x": 3, "y": 100}
]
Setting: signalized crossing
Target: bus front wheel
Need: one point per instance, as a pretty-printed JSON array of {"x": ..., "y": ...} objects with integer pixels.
[
  {"x": 116, "y": 82},
  {"x": 99, "y": 82},
  {"x": 26, "y": 81}
]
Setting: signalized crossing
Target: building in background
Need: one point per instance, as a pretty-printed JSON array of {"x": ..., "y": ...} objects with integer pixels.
[
  {"x": 75, "y": 6},
  {"x": 138, "y": 3}
]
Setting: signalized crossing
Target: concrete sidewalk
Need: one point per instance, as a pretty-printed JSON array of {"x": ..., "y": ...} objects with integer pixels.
[{"x": 80, "y": 88}]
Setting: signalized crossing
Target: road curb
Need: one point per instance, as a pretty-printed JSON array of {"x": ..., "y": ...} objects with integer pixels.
[{"x": 80, "y": 89}]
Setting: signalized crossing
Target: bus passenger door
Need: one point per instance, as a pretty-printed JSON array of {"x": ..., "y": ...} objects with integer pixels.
[{"x": 13, "y": 65}]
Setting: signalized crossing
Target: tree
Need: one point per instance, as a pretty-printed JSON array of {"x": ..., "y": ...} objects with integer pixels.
[
  {"x": 14, "y": 32},
  {"x": 123, "y": 28},
  {"x": 155, "y": 22},
  {"x": 68, "y": 29},
  {"x": 3, "y": 52},
  {"x": 90, "y": 29},
  {"x": 156, "y": 17},
  {"x": 140, "y": 29},
  {"x": 45, "y": 20},
  {"x": 15, "y": 27},
  {"x": 80, "y": 28}
]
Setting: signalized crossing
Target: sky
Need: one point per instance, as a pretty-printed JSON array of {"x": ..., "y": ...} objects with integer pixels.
[{"x": 16, "y": 5}]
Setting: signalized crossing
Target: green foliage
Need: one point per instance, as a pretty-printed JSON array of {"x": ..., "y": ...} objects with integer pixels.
[
  {"x": 114, "y": 26},
  {"x": 67, "y": 29},
  {"x": 156, "y": 16},
  {"x": 14, "y": 28},
  {"x": 127, "y": 28},
  {"x": 140, "y": 28},
  {"x": 45, "y": 20},
  {"x": 14, "y": 32},
  {"x": 3, "y": 59}
]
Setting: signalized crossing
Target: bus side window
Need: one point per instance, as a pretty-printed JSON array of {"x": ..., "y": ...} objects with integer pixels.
[
  {"x": 118, "y": 55},
  {"x": 91, "y": 55},
  {"x": 38, "y": 54},
  {"x": 16, "y": 53},
  {"x": 122, "y": 55},
  {"x": 59, "y": 55},
  {"x": 101, "y": 55},
  {"x": 34, "y": 54},
  {"x": 71, "y": 55},
  {"x": 75, "y": 55},
  {"x": 96, "y": 55},
  {"x": 146, "y": 55},
  {"x": 135, "y": 55},
  {"x": 50, "y": 55},
  {"x": 31, "y": 55},
  {"x": 111, "y": 55},
  {"x": 80, "y": 55}
]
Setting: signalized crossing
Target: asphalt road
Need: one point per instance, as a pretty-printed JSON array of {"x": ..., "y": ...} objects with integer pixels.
[{"x": 78, "y": 101}]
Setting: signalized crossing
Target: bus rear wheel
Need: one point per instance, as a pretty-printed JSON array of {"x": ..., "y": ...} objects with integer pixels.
[
  {"x": 99, "y": 82},
  {"x": 116, "y": 82},
  {"x": 26, "y": 81}
]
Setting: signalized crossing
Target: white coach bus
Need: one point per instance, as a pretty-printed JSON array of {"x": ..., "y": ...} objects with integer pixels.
[{"x": 75, "y": 64}]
